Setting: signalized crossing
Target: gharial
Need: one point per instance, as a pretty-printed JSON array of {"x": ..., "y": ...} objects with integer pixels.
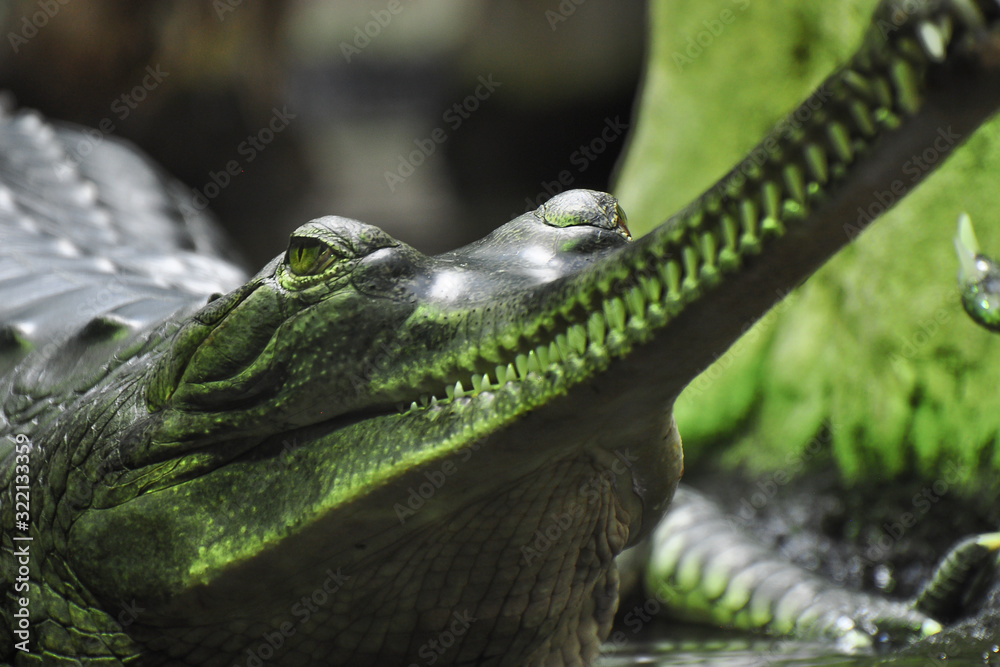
[{"x": 188, "y": 483}]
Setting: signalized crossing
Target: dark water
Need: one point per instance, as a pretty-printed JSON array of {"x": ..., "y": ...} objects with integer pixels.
[{"x": 702, "y": 647}]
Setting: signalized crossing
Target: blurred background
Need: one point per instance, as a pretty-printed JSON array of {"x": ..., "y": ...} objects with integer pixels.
[{"x": 437, "y": 121}]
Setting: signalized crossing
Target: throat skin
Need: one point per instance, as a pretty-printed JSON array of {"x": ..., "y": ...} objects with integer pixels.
[{"x": 479, "y": 432}]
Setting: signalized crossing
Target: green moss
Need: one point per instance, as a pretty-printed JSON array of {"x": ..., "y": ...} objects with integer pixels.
[{"x": 876, "y": 345}]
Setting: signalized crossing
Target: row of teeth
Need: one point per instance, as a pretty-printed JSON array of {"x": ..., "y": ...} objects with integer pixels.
[
  {"x": 717, "y": 249},
  {"x": 786, "y": 195},
  {"x": 641, "y": 303}
]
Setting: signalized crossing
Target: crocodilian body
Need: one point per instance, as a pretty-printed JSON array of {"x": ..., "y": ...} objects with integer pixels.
[{"x": 350, "y": 457}]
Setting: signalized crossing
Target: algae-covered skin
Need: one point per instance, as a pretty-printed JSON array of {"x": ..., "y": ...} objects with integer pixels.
[{"x": 875, "y": 344}]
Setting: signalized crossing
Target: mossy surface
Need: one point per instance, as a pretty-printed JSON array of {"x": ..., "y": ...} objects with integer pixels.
[{"x": 875, "y": 346}]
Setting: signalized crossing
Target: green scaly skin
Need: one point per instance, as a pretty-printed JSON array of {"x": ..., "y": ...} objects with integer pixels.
[{"x": 203, "y": 479}]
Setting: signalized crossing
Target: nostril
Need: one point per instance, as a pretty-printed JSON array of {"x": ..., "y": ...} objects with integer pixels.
[{"x": 582, "y": 208}]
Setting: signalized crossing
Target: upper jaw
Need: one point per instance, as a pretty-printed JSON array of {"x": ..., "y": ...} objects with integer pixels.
[
  {"x": 345, "y": 471},
  {"x": 492, "y": 338}
]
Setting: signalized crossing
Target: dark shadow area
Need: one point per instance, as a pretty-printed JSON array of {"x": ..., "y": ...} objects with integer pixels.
[{"x": 274, "y": 113}]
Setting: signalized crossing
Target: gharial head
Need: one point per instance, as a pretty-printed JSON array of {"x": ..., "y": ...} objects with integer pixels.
[
  {"x": 350, "y": 409},
  {"x": 265, "y": 485},
  {"x": 351, "y": 321}
]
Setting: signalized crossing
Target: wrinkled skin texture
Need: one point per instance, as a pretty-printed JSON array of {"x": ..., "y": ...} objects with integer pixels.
[{"x": 203, "y": 477}]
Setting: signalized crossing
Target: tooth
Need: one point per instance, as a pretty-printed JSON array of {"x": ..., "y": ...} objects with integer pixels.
[
  {"x": 790, "y": 211},
  {"x": 652, "y": 288},
  {"x": 858, "y": 83},
  {"x": 690, "y": 268},
  {"x": 414, "y": 406},
  {"x": 708, "y": 250},
  {"x": 596, "y": 328},
  {"x": 425, "y": 400},
  {"x": 729, "y": 259},
  {"x": 657, "y": 315},
  {"x": 542, "y": 352},
  {"x": 694, "y": 221},
  {"x": 750, "y": 245},
  {"x": 477, "y": 383},
  {"x": 501, "y": 373},
  {"x": 512, "y": 373},
  {"x": 554, "y": 353},
  {"x": 734, "y": 187},
  {"x": 614, "y": 310},
  {"x": 772, "y": 227},
  {"x": 883, "y": 92},
  {"x": 840, "y": 141},
  {"x": 533, "y": 365},
  {"x": 770, "y": 198},
  {"x": 577, "y": 337},
  {"x": 450, "y": 391},
  {"x": 816, "y": 161},
  {"x": 907, "y": 84},
  {"x": 636, "y": 302},
  {"x": 862, "y": 117},
  {"x": 459, "y": 392},
  {"x": 932, "y": 40},
  {"x": 564, "y": 348},
  {"x": 713, "y": 202},
  {"x": 731, "y": 232},
  {"x": 671, "y": 275},
  {"x": 748, "y": 217},
  {"x": 795, "y": 183},
  {"x": 521, "y": 362}
]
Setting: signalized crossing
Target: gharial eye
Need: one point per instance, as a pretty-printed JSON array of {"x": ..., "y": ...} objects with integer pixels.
[{"x": 309, "y": 256}]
